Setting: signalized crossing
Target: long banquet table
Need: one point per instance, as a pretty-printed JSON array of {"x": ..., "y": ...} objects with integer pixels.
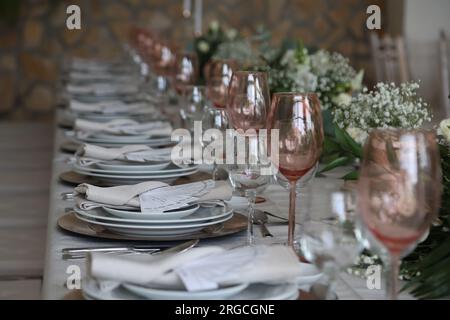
[{"x": 55, "y": 276}]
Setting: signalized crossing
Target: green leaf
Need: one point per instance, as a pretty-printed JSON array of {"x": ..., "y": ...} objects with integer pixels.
[
  {"x": 354, "y": 175},
  {"x": 355, "y": 146},
  {"x": 341, "y": 161},
  {"x": 330, "y": 145},
  {"x": 340, "y": 138}
]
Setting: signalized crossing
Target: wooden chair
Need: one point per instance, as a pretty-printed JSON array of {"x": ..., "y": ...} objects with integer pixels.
[
  {"x": 444, "y": 71},
  {"x": 389, "y": 56}
]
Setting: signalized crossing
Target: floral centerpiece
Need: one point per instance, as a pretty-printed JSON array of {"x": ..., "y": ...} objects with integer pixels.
[{"x": 387, "y": 106}]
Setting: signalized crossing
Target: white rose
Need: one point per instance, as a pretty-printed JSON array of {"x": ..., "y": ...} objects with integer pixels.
[
  {"x": 444, "y": 129},
  {"x": 343, "y": 99},
  {"x": 358, "y": 135},
  {"x": 203, "y": 46}
]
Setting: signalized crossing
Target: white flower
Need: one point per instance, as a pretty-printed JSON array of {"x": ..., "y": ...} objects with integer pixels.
[
  {"x": 358, "y": 135},
  {"x": 214, "y": 26},
  {"x": 386, "y": 106},
  {"x": 357, "y": 81},
  {"x": 203, "y": 46},
  {"x": 342, "y": 99},
  {"x": 444, "y": 129},
  {"x": 288, "y": 58},
  {"x": 231, "y": 34}
]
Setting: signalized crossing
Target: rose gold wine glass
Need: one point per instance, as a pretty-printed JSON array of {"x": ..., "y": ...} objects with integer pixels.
[
  {"x": 186, "y": 71},
  {"x": 218, "y": 76},
  {"x": 298, "y": 119},
  {"x": 399, "y": 191}
]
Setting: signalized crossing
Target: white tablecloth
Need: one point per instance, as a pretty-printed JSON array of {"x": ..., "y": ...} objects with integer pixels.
[{"x": 55, "y": 276}]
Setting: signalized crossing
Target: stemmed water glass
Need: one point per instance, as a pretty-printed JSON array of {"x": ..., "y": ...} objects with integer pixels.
[
  {"x": 328, "y": 236},
  {"x": 298, "y": 120},
  {"x": 218, "y": 76},
  {"x": 247, "y": 108},
  {"x": 399, "y": 191},
  {"x": 194, "y": 106}
]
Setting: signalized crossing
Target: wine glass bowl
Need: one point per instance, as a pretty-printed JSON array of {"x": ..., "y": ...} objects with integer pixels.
[
  {"x": 218, "y": 75},
  {"x": 248, "y": 100},
  {"x": 186, "y": 71}
]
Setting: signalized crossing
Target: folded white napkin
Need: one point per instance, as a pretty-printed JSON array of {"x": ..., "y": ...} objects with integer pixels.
[
  {"x": 151, "y": 196},
  {"x": 203, "y": 268},
  {"x": 86, "y": 128},
  {"x": 101, "y": 89},
  {"x": 88, "y": 154},
  {"x": 100, "y": 75},
  {"x": 111, "y": 107}
]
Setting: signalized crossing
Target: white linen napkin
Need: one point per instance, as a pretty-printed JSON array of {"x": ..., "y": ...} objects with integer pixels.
[
  {"x": 111, "y": 107},
  {"x": 100, "y": 75},
  {"x": 151, "y": 196},
  {"x": 101, "y": 89},
  {"x": 203, "y": 268},
  {"x": 86, "y": 128},
  {"x": 88, "y": 154}
]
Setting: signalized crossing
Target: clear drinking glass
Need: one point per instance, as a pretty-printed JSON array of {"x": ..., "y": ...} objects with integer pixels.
[
  {"x": 328, "y": 236},
  {"x": 218, "y": 74},
  {"x": 194, "y": 106},
  {"x": 247, "y": 173},
  {"x": 399, "y": 191}
]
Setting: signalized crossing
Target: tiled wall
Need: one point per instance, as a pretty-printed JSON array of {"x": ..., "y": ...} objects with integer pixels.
[{"x": 31, "y": 51}]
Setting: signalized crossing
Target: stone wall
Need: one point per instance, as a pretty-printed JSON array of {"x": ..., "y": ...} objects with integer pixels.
[{"x": 32, "y": 50}]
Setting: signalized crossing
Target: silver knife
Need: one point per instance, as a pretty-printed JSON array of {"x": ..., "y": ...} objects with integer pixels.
[
  {"x": 81, "y": 252},
  {"x": 182, "y": 247},
  {"x": 110, "y": 249}
]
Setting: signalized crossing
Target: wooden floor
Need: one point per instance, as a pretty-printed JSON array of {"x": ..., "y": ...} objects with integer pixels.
[{"x": 25, "y": 167}]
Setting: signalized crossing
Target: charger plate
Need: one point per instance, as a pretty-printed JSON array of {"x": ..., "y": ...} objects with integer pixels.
[{"x": 69, "y": 222}]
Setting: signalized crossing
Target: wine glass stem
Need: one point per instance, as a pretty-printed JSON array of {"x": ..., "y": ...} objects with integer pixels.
[
  {"x": 291, "y": 225},
  {"x": 392, "y": 280},
  {"x": 251, "y": 197}
]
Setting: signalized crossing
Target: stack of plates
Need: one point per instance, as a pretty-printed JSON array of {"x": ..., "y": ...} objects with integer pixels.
[
  {"x": 91, "y": 291},
  {"x": 162, "y": 225},
  {"x": 117, "y": 172}
]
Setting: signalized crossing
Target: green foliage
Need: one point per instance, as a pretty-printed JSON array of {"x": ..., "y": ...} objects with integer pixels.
[
  {"x": 429, "y": 264},
  {"x": 340, "y": 150}
]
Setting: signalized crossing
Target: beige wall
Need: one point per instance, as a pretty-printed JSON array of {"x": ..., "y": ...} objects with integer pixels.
[{"x": 31, "y": 52}]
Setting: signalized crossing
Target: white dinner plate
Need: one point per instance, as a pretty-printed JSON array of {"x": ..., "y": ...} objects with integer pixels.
[
  {"x": 172, "y": 169},
  {"x": 133, "y": 166},
  {"x": 91, "y": 290},
  {"x": 161, "y": 294},
  {"x": 121, "y": 138},
  {"x": 113, "y": 141},
  {"x": 153, "y": 142},
  {"x": 133, "y": 177},
  {"x": 189, "y": 215},
  {"x": 166, "y": 226}
]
